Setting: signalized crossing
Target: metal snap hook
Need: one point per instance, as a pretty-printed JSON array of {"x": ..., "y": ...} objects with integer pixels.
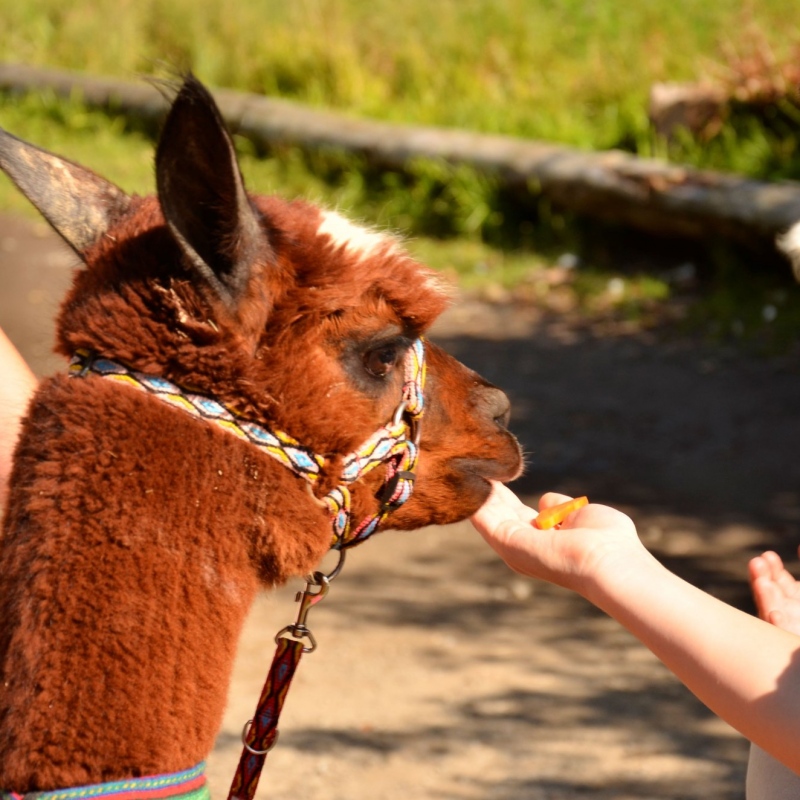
[
  {"x": 298, "y": 632},
  {"x": 309, "y": 599}
]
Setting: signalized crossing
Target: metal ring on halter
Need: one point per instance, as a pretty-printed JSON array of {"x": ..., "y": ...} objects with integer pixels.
[
  {"x": 318, "y": 501},
  {"x": 413, "y": 424},
  {"x": 415, "y": 427},
  {"x": 317, "y": 578},
  {"x": 252, "y": 750},
  {"x": 398, "y": 414}
]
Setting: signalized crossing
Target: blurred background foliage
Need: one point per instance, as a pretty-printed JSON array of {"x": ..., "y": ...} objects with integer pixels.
[{"x": 577, "y": 72}]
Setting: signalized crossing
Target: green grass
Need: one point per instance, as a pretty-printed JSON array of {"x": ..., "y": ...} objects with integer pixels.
[
  {"x": 574, "y": 71},
  {"x": 427, "y": 199},
  {"x": 452, "y": 219},
  {"x": 104, "y": 143},
  {"x": 444, "y": 214}
]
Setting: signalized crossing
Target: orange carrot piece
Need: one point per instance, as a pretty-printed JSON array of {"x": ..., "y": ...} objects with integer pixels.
[{"x": 555, "y": 515}]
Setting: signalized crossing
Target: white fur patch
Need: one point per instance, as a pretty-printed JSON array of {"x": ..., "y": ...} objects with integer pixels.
[
  {"x": 436, "y": 284},
  {"x": 360, "y": 242},
  {"x": 789, "y": 244}
]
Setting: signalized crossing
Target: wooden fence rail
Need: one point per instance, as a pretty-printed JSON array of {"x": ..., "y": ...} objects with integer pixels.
[{"x": 646, "y": 194}]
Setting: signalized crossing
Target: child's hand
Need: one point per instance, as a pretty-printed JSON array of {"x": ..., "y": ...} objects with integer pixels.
[
  {"x": 775, "y": 591},
  {"x": 592, "y": 540}
]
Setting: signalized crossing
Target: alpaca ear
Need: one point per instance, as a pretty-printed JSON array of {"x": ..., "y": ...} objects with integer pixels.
[
  {"x": 203, "y": 197},
  {"x": 79, "y": 204}
]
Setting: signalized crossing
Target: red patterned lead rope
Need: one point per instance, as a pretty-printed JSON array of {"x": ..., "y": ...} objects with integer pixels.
[
  {"x": 260, "y": 737},
  {"x": 261, "y": 732}
]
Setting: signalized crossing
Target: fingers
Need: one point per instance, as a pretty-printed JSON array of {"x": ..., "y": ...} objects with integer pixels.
[
  {"x": 572, "y": 555},
  {"x": 767, "y": 596},
  {"x": 769, "y": 566},
  {"x": 758, "y": 567},
  {"x": 775, "y": 591},
  {"x": 778, "y": 619},
  {"x": 598, "y": 517},
  {"x": 501, "y": 508},
  {"x": 782, "y": 577},
  {"x": 503, "y": 511},
  {"x": 502, "y": 499},
  {"x": 594, "y": 515},
  {"x": 550, "y": 499}
]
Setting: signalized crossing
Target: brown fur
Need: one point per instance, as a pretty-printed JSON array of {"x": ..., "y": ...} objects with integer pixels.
[{"x": 136, "y": 536}]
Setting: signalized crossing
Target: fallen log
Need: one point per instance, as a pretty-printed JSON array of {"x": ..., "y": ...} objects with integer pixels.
[{"x": 646, "y": 194}]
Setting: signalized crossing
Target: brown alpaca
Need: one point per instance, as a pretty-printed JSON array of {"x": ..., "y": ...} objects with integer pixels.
[{"x": 136, "y": 535}]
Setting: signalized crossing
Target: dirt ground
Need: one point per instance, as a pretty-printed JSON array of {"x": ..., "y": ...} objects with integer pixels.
[{"x": 439, "y": 673}]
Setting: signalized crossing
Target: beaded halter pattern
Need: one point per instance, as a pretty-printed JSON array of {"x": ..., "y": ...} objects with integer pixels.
[{"x": 394, "y": 444}]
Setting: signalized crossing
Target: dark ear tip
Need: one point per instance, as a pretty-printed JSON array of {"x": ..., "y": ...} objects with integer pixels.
[
  {"x": 193, "y": 112},
  {"x": 184, "y": 92},
  {"x": 193, "y": 92},
  {"x": 202, "y": 193}
]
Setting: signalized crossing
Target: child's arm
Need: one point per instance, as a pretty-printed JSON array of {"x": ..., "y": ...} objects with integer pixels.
[
  {"x": 746, "y": 671},
  {"x": 16, "y": 387}
]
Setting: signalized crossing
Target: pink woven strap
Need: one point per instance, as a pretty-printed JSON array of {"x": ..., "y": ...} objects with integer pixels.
[
  {"x": 189, "y": 784},
  {"x": 415, "y": 372},
  {"x": 396, "y": 445}
]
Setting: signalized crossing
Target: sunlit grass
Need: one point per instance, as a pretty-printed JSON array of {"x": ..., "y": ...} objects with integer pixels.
[
  {"x": 576, "y": 71},
  {"x": 572, "y": 71},
  {"x": 438, "y": 211}
]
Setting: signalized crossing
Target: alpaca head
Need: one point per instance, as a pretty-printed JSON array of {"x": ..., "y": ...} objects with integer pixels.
[{"x": 285, "y": 313}]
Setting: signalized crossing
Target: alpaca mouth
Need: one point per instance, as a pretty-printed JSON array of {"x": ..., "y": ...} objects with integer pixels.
[{"x": 505, "y": 468}]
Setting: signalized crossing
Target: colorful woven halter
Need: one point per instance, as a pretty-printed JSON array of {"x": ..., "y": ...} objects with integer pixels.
[
  {"x": 187, "y": 785},
  {"x": 395, "y": 444}
]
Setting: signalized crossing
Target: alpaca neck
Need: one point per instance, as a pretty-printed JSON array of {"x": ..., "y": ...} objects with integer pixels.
[{"x": 125, "y": 579}]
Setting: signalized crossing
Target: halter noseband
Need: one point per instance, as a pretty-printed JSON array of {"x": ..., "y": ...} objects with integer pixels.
[{"x": 396, "y": 444}]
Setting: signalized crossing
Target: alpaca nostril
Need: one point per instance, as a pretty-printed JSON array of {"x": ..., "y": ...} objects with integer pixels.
[
  {"x": 494, "y": 404},
  {"x": 505, "y": 417}
]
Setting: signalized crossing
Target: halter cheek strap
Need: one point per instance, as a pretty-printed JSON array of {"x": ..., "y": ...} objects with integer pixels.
[{"x": 396, "y": 444}]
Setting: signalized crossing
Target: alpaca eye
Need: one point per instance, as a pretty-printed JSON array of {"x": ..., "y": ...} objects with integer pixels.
[{"x": 382, "y": 360}]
